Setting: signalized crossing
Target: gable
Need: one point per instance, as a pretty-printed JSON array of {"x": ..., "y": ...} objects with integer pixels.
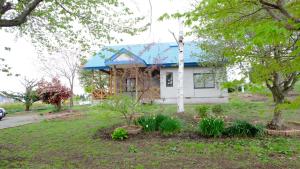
[{"x": 124, "y": 58}]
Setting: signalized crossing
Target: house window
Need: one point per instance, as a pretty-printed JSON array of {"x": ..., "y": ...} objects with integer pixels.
[
  {"x": 169, "y": 79},
  {"x": 204, "y": 80},
  {"x": 130, "y": 84}
]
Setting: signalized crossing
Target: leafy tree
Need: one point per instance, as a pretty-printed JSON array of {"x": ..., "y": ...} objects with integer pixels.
[
  {"x": 64, "y": 64},
  {"x": 87, "y": 22},
  {"x": 53, "y": 92},
  {"x": 92, "y": 80},
  {"x": 28, "y": 97},
  {"x": 264, "y": 34}
]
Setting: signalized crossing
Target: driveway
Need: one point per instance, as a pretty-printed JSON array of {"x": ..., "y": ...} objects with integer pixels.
[{"x": 18, "y": 120}]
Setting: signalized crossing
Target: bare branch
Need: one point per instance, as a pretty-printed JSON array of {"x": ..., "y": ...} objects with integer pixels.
[{"x": 21, "y": 18}]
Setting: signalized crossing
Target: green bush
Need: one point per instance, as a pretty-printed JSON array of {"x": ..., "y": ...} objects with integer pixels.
[
  {"x": 202, "y": 110},
  {"x": 151, "y": 123},
  {"x": 211, "y": 127},
  {"x": 243, "y": 129},
  {"x": 147, "y": 122},
  {"x": 119, "y": 134},
  {"x": 159, "y": 119},
  {"x": 170, "y": 126},
  {"x": 217, "y": 109}
]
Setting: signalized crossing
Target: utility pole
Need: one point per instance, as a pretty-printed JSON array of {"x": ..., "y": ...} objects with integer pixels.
[{"x": 180, "y": 94}]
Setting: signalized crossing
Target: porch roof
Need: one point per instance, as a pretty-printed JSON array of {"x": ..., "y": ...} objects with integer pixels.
[{"x": 164, "y": 54}]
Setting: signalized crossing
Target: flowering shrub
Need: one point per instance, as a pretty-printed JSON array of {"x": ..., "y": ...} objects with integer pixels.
[{"x": 53, "y": 92}]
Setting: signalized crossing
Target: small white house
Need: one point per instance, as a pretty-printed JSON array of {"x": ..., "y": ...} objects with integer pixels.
[{"x": 149, "y": 73}]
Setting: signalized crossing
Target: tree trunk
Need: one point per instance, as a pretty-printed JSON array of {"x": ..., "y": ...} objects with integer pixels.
[
  {"x": 58, "y": 106},
  {"x": 180, "y": 92},
  {"x": 277, "y": 122},
  {"x": 27, "y": 107},
  {"x": 71, "y": 98}
]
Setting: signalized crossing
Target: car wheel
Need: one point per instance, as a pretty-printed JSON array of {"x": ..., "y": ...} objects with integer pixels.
[{"x": 0, "y": 118}]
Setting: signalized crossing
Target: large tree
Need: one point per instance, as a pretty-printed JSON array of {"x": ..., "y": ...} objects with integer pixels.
[
  {"x": 264, "y": 34},
  {"x": 87, "y": 22}
]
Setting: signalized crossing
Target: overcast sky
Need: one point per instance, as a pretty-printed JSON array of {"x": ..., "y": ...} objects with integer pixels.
[{"x": 23, "y": 58}]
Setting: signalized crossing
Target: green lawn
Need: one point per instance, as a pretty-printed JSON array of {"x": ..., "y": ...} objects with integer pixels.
[
  {"x": 71, "y": 144},
  {"x": 12, "y": 108}
]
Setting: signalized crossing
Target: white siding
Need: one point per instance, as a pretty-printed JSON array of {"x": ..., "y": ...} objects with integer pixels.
[{"x": 170, "y": 93}]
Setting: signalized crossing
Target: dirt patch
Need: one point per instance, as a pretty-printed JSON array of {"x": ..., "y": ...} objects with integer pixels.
[
  {"x": 253, "y": 97},
  {"x": 67, "y": 114}
]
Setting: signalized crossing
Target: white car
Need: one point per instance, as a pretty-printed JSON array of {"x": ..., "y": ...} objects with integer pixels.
[{"x": 2, "y": 113}]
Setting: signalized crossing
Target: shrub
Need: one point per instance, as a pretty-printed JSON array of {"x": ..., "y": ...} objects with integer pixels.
[
  {"x": 217, "y": 109},
  {"x": 170, "y": 126},
  {"x": 147, "y": 122},
  {"x": 119, "y": 134},
  {"x": 243, "y": 129},
  {"x": 123, "y": 104},
  {"x": 202, "y": 110},
  {"x": 211, "y": 127},
  {"x": 159, "y": 119}
]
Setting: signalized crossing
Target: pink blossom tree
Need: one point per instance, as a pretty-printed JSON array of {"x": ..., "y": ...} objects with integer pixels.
[{"x": 53, "y": 92}]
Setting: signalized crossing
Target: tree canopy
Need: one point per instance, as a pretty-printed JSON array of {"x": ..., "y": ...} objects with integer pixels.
[
  {"x": 50, "y": 23},
  {"x": 264, "y": 34}
]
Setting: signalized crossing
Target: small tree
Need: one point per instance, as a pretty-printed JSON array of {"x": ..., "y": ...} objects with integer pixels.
[
  {"x": 53, "y": 92},
  {"x": 123, "y": 104},
  {"x": 64, "y": 64},
  {"x": 28, "y": 97}
]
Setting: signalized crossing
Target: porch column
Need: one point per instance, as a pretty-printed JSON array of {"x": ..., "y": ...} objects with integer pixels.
[
  {"x": 115, "y": 79},
  {"x": 110, "y": 81},
  {"x": 101, "y": 89},
  {"x": 136, "y": 83}
]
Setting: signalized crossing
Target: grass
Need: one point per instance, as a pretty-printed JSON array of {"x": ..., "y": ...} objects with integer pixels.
[
  {"x": 70, "y": 144},
  {"x": 16, "y": 107}
]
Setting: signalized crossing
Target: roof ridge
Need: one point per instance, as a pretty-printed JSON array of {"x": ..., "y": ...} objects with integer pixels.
[{"x": 137, "y": 44}]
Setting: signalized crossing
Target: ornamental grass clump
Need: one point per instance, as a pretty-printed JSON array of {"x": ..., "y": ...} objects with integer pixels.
[
  {"x": 147, "y": 122},
  {"x": 170, "y": 126},
  {"x": 159, "y": 119},
  {"x": 211, "y": 127},
  {"x": 242, "y": 128},
  {"x": 151, "y": 123}
]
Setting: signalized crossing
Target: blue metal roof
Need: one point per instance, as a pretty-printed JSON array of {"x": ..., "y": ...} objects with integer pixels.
[{"x": 164, "y": 54}]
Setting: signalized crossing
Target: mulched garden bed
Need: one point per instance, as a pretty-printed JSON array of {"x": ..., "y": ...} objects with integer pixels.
[
  {"x": 292, "y": 129},
  {"x": 105, "y": 134}
]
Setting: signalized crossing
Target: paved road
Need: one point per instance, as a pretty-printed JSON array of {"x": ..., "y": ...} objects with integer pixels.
[{"x": 18, "y": 120}]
